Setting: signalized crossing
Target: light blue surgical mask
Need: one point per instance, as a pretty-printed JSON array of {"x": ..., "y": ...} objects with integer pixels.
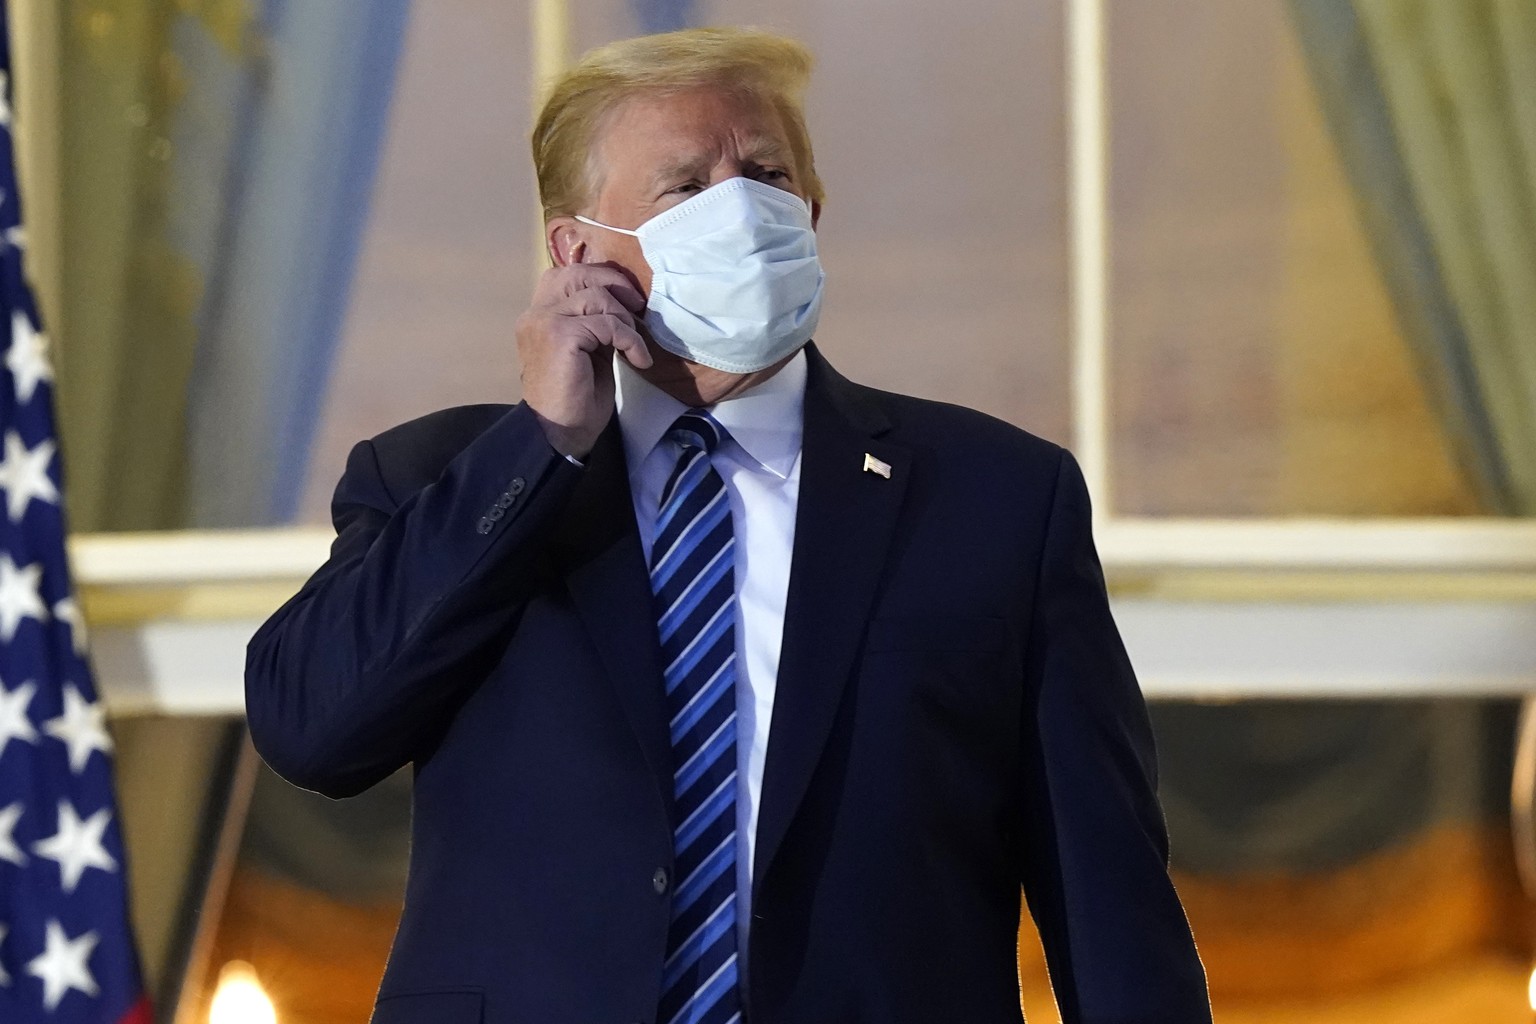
[{"x": 735, "y": 280}]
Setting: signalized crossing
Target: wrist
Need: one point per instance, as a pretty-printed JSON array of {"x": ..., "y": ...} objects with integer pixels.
[{"x": 575, "y": 444}]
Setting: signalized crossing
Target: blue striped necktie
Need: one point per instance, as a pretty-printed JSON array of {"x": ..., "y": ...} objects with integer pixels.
[{"x": 694, "y": 580}]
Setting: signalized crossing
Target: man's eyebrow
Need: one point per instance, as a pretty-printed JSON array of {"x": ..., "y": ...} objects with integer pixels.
[
  {"x": 765, "y": 148},
  {"x": 679, "y": 168}
]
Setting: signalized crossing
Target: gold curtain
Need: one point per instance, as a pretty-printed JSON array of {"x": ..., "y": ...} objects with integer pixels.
[
  {"x": 1460, "y": 84},
  {"x": 129, "y": 292}
]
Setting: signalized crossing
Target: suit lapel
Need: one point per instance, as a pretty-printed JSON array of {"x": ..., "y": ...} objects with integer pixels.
[
  {"x": 610, "y": 587},
  {"x": 845, "y": 519}
]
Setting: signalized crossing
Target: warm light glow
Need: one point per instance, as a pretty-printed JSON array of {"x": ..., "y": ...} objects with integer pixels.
[
  {"x": 1530, "y": 991},
  {"x": 240, "y": 999}
]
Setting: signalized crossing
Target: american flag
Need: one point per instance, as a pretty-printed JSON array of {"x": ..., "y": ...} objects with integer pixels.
[{"x": 66, "y": 950}]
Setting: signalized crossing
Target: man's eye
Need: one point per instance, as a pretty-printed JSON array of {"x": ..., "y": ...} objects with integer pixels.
[
  {"x": 772, "y": 174},
  {"x": 686, "y": 187}
]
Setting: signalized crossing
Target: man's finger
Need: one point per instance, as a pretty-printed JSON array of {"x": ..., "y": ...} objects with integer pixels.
[
  {"x": 629, "y": 295},
  {"x": 607, "y": 329},
  {"x": 635, "y": 349},
  {"x": 557, "y": 283},
  {"x": 596, "y": 301}
]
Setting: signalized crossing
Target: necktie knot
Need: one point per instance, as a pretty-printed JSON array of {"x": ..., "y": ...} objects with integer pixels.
[{"x": 697, "y": 429}]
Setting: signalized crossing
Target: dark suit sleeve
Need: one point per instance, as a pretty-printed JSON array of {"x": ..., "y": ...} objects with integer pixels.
[
  {"x": 363, "y": 668},
  {"x": 1095, "y": 846}
]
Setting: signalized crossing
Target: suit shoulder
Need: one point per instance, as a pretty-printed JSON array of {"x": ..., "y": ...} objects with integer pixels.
[
  {"x": 413, "y": 454},
  {"x": 957, "y": 430},
  {"x": 445, "y": 426}
]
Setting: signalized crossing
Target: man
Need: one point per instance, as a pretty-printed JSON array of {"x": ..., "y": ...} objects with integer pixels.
[{"x": 734, "y": 691}]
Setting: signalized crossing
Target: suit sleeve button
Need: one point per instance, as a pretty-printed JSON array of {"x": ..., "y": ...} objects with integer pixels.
[
  {"x": 659, "y": 881},
  {"x": 516, "y": 486},
  {"x": 495, "y": 513},
  {"x": 505, "y": 501},
  {"x": 485, "y": 526}
]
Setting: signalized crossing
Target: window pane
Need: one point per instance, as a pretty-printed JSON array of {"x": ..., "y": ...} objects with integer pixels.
[{"x": 1257, "y": 365}]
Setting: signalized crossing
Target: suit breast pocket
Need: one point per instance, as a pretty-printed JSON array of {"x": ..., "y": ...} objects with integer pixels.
[
  {"x": 940, "y": 698},
  {"x": 959, "y": 664},
  {"x": 439, "y": 1007}
]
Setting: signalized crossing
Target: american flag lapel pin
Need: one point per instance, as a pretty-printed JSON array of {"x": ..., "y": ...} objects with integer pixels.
[{"x": 876, "y": 466}]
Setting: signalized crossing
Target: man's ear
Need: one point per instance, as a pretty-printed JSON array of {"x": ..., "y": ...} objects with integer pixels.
[{"x": 564, "y": 242}]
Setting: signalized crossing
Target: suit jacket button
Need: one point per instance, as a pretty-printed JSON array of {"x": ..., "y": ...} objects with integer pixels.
[
  {"x": 516, "y": 486},
  {"x": 485, "y": 526},
  {"x": 659, "y": 881}
]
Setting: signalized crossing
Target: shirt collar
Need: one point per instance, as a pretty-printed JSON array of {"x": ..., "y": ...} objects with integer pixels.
[{"x": 766, "y": 421}]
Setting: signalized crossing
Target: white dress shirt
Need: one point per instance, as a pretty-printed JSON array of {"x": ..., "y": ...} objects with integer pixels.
[{"x": 760, "y": 465}]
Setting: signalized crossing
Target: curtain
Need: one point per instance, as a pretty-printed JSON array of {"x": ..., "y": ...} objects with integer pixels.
[
  {"x": 663, "y": 15},
  {"x": 1460, "y": 84},
  {"x": 129, "y": 296},
  {"x": 1433, "y": 106},
  {"x": 216, "y": 159},
  {"x": 309, "y": 123}
]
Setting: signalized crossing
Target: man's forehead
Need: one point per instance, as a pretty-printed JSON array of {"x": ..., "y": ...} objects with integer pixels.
[
  {"x": 680, "y": 155},
  {"x": 698, "y": 118}
]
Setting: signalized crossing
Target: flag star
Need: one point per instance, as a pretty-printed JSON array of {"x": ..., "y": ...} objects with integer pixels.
[
  {"x": 9, "y": 816},
  {"x": 77, "y": 845},
  {"x": 5, "y": 979},
  {"x": 62, "y": 965},
  {"x": 28, "y": 356},
  {"x": 24, "y": 474},
  {"x": 14, "y": 723},
  {"x": 67, "y": 611},
  {"x": 81, "y": 728},
  {"x": 19, "y": 598}
]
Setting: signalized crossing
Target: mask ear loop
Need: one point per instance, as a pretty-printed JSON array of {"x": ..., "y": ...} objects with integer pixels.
[{"x": 606, "y": 227}]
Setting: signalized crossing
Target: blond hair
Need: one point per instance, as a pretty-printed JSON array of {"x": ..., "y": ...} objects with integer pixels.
[{"x": 758, "y": 64}]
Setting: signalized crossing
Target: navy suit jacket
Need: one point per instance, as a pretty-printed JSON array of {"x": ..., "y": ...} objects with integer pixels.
[{"x": 955, "y": 718}]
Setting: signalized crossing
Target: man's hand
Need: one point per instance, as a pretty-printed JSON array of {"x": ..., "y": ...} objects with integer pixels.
[{"x": 579, "y": 316}]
